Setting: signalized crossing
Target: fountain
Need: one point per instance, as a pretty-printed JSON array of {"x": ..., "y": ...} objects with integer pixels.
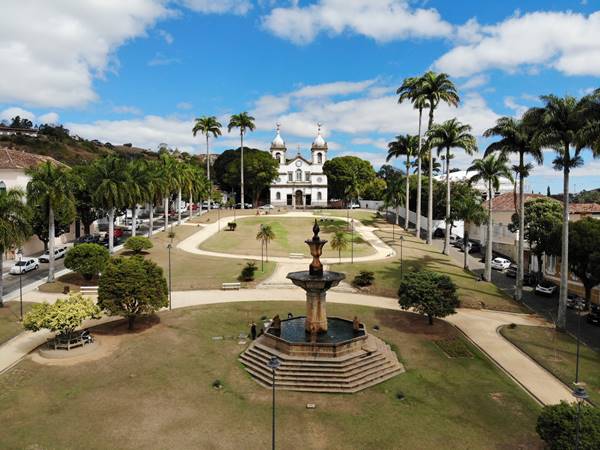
[{"x": 320, "y": 353}]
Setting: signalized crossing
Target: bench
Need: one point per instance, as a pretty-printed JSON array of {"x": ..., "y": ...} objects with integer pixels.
[
  {"x": 231, "y": 286},
  {"x": 89, "y": 290},
  {"x": 296, "y": 255}
]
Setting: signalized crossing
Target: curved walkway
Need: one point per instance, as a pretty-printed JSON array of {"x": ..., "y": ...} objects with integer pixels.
[
  {"x": 192, "y": 243},
  {"x": 480, "y": 326}
]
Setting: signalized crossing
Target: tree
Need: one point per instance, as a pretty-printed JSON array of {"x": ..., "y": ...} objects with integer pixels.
[
  {"x": 588, "y": 197},
  {"x": 139, "y": 188},
  {"x": 451, "y": 134},
  {"x": 341, "y": 170},
  {"x": 132, "y": 287},
  {"x": 63, "y": 316},
  {"x": 393, "y": 199},
  {"x": 87, "y": 259},
  {"x": 375, "y": 189},
  {"x": 51, "y": 188},
  {"x": 435, "y": 88},
  {"x": 14, "y": 225},
  {"x": 84, "y": 206},
  {"x": 568, "y": 126},
  {"x": 168, "y": 173},
  {"x": 517, "y": 137},
  {"x": 490, "y": 169},
  {"x": 265, "y": 235},
  {"x": 244, "y": 122},
  {"x": 208, "y": 125},
  {"x": 584, "y": 253},
  {"x": 428, "y": 293},
  {"x": 137, "y": 244},
  {"x": 557, "y": 426},
  {"x": 339, "y": 242},
  {"x": 63, "y": 217},
  {"x": 18, "y": 122},
  {"x": 466, "y": 206},
  {"x": 408, "y": 146}
]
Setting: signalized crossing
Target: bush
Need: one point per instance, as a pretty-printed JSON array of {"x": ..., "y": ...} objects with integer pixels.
[
  {"x": 557, "y": 424},
  {"x": 364, "y": 278},
  {"x": 232, "y": 226},
  {"x": 87, "y": 259},
  {"x": 137, "y": 244},
  {"x": 248, "y": 271}
]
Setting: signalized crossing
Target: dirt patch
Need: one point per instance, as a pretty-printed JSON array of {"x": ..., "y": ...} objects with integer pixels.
[
  {"x": 416, "y": 324},
  {"x": 119, "y": 327},
  {"x": 106, "y": 345}
]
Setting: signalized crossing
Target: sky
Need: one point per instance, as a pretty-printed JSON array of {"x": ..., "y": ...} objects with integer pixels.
[{"x": 140, "y": 71}]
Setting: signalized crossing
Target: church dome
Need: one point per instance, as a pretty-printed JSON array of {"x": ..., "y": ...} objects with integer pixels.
[
  {"x": 278, "y": 141},
  {"x": 319, "y": 142}
]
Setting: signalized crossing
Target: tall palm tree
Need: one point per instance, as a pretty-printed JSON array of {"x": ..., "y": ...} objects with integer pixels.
[
  {"x": 517, "y": 137},
  {"x": 451, "y": 134},
  {"x": 435, "y": 88},
  {"x": 352, "y": 191},
  {"x": 168, "y": 172},
  {"x": 435, "y": 165},
  {"x": 50, "y": 187},
  {"x": 410, "y": 90},
  {"x": 339, "y": 242},
  {"x": 244, "y": 122},
  {"x": 14, "y": 225},
  {"x": 208, "y": 125},
  {"x": 468, "y": 209},
  {"x": 490, "y": 169},
  {"x": 568, "y": 126},
  {"x": 138, "y": 190},
  {"x": 155, "y": 186},
  {"x": 265, "y": 235},
  {"x": 408, "y": 146}
]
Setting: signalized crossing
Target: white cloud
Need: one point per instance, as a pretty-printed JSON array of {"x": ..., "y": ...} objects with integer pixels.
[
  {"x": 168, "y": 37},
  {"x": 519, "y": 109},
  {"x": 239, "y": 7},
  {"x": 51, "y": 118},
  {"x": 126, "y": 109},
  {"x": 14, "y": 111},
  {"x": 475, "y": 82},
  {"x": 331, "y": 89},
  {"x": 382, "y": 20},
  {"x": 566, "y": 41},
  {"x": 376, "y": 159}
]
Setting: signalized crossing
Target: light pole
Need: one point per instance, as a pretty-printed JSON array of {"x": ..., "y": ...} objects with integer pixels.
[
  {"x": 401, "y": 257},
  {"x": 273, "y": 364},
  {"x": 580, "y": 394},
  {"x": 578, "y": 312},
  {"x": 21, "y": 285},
  {"x": 352, "y": 242},
  {"x": 169, "y": 246},
  {"x": 219, "y": 217}
]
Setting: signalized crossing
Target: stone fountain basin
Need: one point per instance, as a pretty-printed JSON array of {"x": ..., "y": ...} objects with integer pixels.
[{"x": 322, "y": 282}]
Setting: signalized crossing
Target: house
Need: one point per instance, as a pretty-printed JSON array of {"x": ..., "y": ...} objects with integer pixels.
[
  {"x": 11, "y": 131},
  {"x": 464, "y": 176}
]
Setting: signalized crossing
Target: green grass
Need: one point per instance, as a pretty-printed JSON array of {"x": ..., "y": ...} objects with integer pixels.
[
  {"x": 556, "y": 352},
  {"x": 9, "y": 319},
  {"x": 290, "y": 234},
  {"x": 155, "y": 391}
]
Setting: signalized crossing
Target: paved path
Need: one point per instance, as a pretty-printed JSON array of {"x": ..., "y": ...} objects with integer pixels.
[{"x": 480, "y": 326}]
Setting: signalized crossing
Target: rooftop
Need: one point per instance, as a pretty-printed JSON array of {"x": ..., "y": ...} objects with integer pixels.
[
  {"x": 506, "y": 202},
  {"x": 18, "y": 159}
]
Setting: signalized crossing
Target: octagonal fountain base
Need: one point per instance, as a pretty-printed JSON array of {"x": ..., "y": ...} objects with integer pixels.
[{"x": 341, "y": 360}]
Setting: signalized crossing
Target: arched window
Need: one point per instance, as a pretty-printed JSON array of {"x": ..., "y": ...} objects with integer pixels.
[
  {"x": 319, "y": 196},
  {"x": 298, "y": 175},
  {"x": 319, "y": 158},
  {"x": 278, "y": 156},
  {"x": 2, "y": 186},
  {"x": 278, "y": 196}
]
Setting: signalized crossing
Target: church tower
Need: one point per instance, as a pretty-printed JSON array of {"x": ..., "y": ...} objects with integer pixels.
[
  {"x": 319, "y": 148},
  {"x": 278, "y": 148}
]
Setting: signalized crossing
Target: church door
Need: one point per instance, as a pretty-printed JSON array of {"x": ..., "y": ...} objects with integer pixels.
[{"x": 299, "y": 201}]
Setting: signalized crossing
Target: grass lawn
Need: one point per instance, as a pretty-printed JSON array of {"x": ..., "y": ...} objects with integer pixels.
[
  {"x": 9, "y": 319},
  {"x": 290, "y": 234},
  {"x": 213, "y": 215},
  {"x": 556, "y": 352},
  {"x": 366, "y": 217},
  {"x": 417, "y": 254},
  {"x": 155, "y": 391}
]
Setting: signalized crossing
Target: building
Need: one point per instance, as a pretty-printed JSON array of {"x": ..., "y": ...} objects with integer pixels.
[
  {"x": 481, "y": 186},
  {"x": 301, "y": 182},
  {"x": 10, "y": 131}
]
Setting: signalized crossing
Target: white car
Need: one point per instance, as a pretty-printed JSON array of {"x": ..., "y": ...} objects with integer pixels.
[
  {"x": 59, "y": 252},
  {"x": 546, "y": 288},
  {"x": 500, "y": 263},
  {"x": 24, "y": 266},
  {"x": 267, "y": 206},
  {"x": 353, "y": 206}
]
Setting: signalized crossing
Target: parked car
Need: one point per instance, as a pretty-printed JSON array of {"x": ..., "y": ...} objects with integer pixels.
[
  {"x": 546, "y": 288},
  {"x": 511, "y": 272},
  {"x": 594, "y": 315},
  {"x": 118, "y": 232},
  {"x": 458, "y": 243},
  {"x": 500, "y": 263},
  {"x": 116, "y": 241},
  {"x": 353, "y": 206},
  {"x": 268, "y": 206},
  {"x": 24, "y": 266},
  {"x": 453, "y": 239},
  {"x": 575, "y": 302},
  {"x": 88, "y": 239},
  {"x": 59, "y": 252},
  {"x": 239, "y": 206},
  {"x": 473, "y": 247}
]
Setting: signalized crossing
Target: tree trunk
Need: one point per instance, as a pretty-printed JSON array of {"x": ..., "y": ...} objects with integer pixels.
[
  {"x": 488, "y": 249},
  {"x": 430, "y": 319},
  {"x": 466, "y": 239},
  {"x": 446, "y": 250},
  {"x": 588, "y": 293},
  {"x": 430, "y": 193},
  {"x": 561, "y": 319},
  {"x": 242, "y": 169},
  {"x": 191, "y": 207},
  {"x": 418, "y": 209},
  {"x": 540, "y": 272},
  {"x": 1, "y": 278},
  {"x": 50, "y": 243},
  {"x": 111, "y": 230},
  {"x": 130, "y": 321},
  {"x": 134, "y": 220},
  {"x": 407, "y": 206},
  {"x": 521, "y": 243},
  {"x": 166, "y": 202},
  {"x": 208, "y": 174},
  {"x": 86, "y": 227},
  {"x": 179, "y": 207},
  {"x": 340, "y": 254},
  {"x": 151, "y": 219}
]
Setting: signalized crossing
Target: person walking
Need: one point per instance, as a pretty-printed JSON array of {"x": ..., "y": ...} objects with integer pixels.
[{"x": 253, "y": 330}]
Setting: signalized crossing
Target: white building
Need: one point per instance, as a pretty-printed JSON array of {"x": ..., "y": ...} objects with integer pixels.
[
  {"x": 301, "y": 182},
  {"x": 481, "y": 186}
]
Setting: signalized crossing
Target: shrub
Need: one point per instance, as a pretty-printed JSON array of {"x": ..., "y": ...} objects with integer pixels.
[
  {"x": 137, "y": 244},
  {"x": 87, "y": 259},
  {"x": 217, "y": 384},
  {"x": 557, "y": 424},
  {"x": 232, "y": 226},
  {"x": 248, "y": 271},
  {"x": 364, "y": 278}
]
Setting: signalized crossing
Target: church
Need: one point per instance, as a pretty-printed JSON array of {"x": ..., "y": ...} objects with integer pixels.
[{"x": 301, "y": 182}]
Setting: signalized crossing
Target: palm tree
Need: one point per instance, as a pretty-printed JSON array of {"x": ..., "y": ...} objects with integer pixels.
[
  {"x": 138, "y": 171},
  {"x": 265, "y": 235},
  {"x": 468, "y": 209},
  {"x": 393, "y": 198},
  {"x": 490, "y": 169},
  {"x": 14, "y": 225},
  {"x": 339, "y": 242},
  {"x": 155, "y": 186},
  {"x": 351, "y": 192},
  {"x": 567, "y": 126},
  {"x": 244, "y": 122},
  {"x": 50, "y": 187},
  {"x": 435, "y": 165},
  {"x": 168, "y": 172},
  {"x": 451, "y": 134},
  {"x": 435, "y": 88},
  {"x": 208, "y": 125},
  {"x": 408, "y": 146},
  {"x": 517, "y": 136},
  {"x": 411, "y": 90}
]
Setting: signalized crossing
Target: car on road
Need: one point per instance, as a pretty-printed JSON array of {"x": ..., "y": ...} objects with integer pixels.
[
  {"x": 24, "y": 266},
  {"x": 511, "y": 272},
  {"x": 546, "y": 288},
  {"x": 268, "y": 206},
  {"x": 353, "y": 206},
  {"x": 594, "y": 315},
  {"x": 246, "y": 206},
  {"x": 458, "y": 243},
  {"x": 500, "y": 263},
  {"x": 575, "y": 302},
  {"x": 59, "y": 252},
  {"x": 474, "y": 247},
  {"x": 453, "y": 239},
  {"x": 88, "y": 239}
]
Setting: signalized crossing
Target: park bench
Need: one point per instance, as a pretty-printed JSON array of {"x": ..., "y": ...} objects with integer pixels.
[
  {"x": 77, "y": 339},
  {"x": 231, "y": 286},
  {"x": 89, "y": 290},
  {"x": 296, "y": 255}
]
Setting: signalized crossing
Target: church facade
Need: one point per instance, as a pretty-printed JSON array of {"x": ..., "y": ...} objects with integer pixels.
[{"x": 301, "y": 182}]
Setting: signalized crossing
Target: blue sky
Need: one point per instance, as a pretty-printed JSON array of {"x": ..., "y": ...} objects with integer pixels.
[{"x": 140, "y": 70}]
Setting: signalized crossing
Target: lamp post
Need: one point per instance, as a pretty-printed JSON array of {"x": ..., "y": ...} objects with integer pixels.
[
  {"x": 580, "y": 394},
  {"x": 219, "y": 217},
  {"x": 21, "y": 286},
  {"x": 401, "y": 257},
  {"x": 273, "y": 364},
  {"x": 578, "y": 312},
  {"x": 170, "y": 296}
]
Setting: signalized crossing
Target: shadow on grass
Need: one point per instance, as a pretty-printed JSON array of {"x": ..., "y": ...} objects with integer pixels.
[{"x": 120, "y": 327}]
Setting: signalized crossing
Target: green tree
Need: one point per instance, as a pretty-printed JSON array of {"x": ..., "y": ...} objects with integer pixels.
[
  {"x": 451, "y": 134},
  {"x": 132, "y": 287},
  {"x": 63, "y": 217},
  {"x": 466, "y": 206},
  {"x": 393, "y": 198},
  {"x": 156, "y": 186},
  {"x": 342, "y": 169},
  {"x": 139, "y": 188},
  {"x": 588, "y": 197},
  {"x": 584, "y": 253},
  {"x": 375, "y": 189},
  {"x": 84, "y": 206},
  {"x": 557, "y": 426},
  {"x": 517, "y": 137},
  {"x": 208, "y": 125},
  {"x": 339, "y": 242},
  {"x": 265, "y": 235},
  {"x": 428, "y": 293},
  {"x": 51, "y": 187},
  {"x": 568, "y": 126},
  {"x": 169, "y": 181},
  {"x": 63, "y": 316},
  {"x": 490, "y": 170},
  {"x": 408, "y": 146},
  {"x": 245, "y": 123},
  {"x": 87, "y": 259},
  {"x": 14, "y": 225},
  {"x": 137, "y": 244}
]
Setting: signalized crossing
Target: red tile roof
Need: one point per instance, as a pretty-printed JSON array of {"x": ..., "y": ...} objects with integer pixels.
[
  {"x": 18, "y": 159},
  {"x": 506, "y": 202},
  {"x": 584, "y": 208}
]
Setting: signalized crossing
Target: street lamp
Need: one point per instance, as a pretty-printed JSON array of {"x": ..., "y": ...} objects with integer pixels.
[
  {"x": 401, "y": 257},
  {"x": 169, "y": 246},
  {"x": 21, "y": 285},
  {"x": 580, "y": 394},
  {"x": 273, "y": 364},
  {"x": 578, "y": 312}
]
